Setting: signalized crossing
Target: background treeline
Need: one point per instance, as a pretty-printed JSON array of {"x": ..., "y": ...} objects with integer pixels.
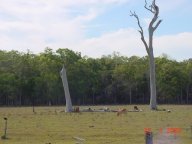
[{"x": 34, "y": 79}]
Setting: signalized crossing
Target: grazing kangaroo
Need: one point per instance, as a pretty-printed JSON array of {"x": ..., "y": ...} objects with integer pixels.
[
  {"x": 121, "y": 111},
  {"x": 136, "y": 108}
]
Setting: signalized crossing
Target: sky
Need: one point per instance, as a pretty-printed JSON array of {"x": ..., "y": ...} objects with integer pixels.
[{"x": 95, "y": 27}]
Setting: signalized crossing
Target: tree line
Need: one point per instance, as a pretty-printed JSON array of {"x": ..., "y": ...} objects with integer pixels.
[{"x": 34, "y": 79}]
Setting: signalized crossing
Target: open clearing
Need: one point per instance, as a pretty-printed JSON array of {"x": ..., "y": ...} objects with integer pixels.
[{"x": 51, "y": 126}]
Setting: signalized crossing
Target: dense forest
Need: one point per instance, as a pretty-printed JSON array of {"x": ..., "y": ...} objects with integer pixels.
[{"x": 34, "y": 79}]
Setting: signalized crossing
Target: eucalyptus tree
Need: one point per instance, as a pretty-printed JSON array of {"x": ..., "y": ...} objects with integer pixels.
[
  {"x": 49, "y": 68},
  {"x": 154, "y": 23},
  {"x": 9, "y": 79},
  {"x": 188, "y": 70}
]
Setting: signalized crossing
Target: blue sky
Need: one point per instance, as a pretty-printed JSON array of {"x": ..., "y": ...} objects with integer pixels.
[{"x": 94, "y": 27}]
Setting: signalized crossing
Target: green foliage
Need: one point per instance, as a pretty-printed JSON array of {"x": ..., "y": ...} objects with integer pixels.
[{"x": 34, "y": 79}]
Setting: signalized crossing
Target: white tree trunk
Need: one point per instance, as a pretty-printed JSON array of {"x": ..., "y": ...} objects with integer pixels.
[
  {"x": 153, "y": 97},
  {"x": 66, "y": 89},
  {"x": 154, "y": 9}
]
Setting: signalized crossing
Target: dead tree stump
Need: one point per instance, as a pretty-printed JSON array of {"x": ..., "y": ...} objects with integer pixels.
[{"x": 148, "y": 138}]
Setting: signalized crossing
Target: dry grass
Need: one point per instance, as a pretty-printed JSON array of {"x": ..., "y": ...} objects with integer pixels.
[{"x": 50, "y": 125}]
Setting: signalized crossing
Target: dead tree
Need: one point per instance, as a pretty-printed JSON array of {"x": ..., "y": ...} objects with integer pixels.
[
  {"x": 63, "y": 74},
  {"x": 154, "y": 23}
]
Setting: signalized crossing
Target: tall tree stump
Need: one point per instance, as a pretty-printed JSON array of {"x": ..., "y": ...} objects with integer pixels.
[{"x": 148, "y": 138}]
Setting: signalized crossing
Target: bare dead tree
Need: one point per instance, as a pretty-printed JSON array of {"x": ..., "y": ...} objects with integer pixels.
[{"x": 154, "y": 23}]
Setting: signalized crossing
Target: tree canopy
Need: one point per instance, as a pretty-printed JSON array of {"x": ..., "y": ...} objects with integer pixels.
[{"x": 34, "y": 79}]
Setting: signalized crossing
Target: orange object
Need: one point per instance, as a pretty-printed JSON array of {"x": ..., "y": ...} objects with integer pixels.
[
  {"x": 147, "y": 130},
  {"x": 174, "y": 130},
  {"x": 160, "y": 130}
]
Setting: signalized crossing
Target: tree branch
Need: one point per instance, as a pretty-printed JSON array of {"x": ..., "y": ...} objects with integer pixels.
[
  {"x": 158, "y": 23},
  {"x": 155, "y": 17},
  {"x": 138, "y": 21},
  {"x": 140, "y": 31},
  {"x": 144, "y": 42},
  {"x": 150, "y": 7}
]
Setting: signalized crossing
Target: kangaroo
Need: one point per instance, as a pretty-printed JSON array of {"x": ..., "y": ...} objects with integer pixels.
[{"x": 121, "y": 111}]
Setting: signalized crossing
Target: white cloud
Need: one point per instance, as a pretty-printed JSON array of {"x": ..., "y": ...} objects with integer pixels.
[
  {"x": 177, "y": 46},
  {"x": 37, "y": 24},
  {"x": 168, "y": 5},
  {"x": 127, "y": 42},
  {"x": 124, "y": 41},
  {"x": 40, "y": 23}
]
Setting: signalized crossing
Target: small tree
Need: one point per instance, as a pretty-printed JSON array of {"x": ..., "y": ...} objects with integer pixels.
[
  {"x": 154, "y": 9},
  {"x": 5, "y": 130}
]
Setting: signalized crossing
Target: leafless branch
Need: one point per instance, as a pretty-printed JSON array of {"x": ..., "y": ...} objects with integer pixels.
[
  {"x": 155, "y": 17},
  {"x": 141, "y": 30},
  {"x": 150, "y": 7},
  {"x": 158, "y": 23},
  {"x": 138, "y": 21}
]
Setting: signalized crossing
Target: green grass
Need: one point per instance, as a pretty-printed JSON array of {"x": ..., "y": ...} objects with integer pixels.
[{"x": 49, "y": 125}]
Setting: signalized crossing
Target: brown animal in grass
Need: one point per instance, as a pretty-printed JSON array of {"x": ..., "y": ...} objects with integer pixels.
[
  {"x": 76, "y": 109},
  {"x": 136, "y": 108},
  {"x": 121, "y": 111}
]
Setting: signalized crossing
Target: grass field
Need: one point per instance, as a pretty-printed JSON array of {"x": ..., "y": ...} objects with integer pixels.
[{"x": 51, "y": 126}]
